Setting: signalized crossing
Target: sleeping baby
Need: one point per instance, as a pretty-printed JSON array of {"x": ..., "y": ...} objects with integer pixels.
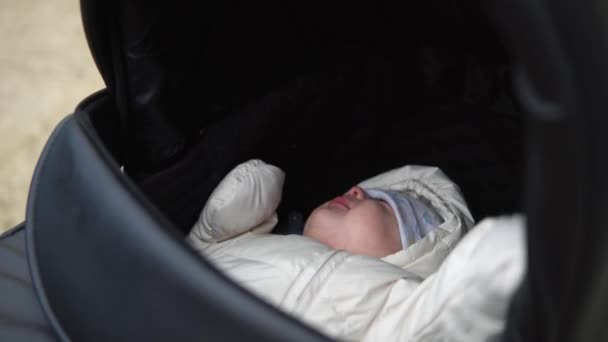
[{"x": 372, "y": 264}]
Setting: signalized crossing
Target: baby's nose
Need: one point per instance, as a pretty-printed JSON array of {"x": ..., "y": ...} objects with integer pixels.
[{"x": 357, "y": 192}]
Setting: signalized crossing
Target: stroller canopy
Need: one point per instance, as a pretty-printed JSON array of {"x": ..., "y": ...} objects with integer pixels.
[{"x": 507, "y": 98}]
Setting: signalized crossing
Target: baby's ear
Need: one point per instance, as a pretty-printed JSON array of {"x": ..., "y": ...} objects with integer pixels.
[{"x": 246, "y": 199}]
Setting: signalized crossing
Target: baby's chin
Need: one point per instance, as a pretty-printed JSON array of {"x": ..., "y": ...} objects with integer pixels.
[{"x": 307, "y": 228}]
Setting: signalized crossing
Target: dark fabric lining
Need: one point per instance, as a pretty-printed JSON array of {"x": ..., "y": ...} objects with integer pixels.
[
  {"x": 332, "y": 93},
  {"x": 188, "y": 66},
  {"x": 377, "y": 110}
]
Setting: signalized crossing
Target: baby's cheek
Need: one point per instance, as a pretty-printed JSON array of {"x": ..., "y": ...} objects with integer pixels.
[
  {"x": 362, "y": 232},
  {"x": 375, "y": 235},
  {"x": 321, "y": 226},
  {"x": 369, "y": 219}
]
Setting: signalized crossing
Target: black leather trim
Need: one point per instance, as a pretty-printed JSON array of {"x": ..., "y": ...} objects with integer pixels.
[
  {"x": 21, "y": 316},
  {"x": 30, "y": 241},
  {"x": 12, "y": 231}
]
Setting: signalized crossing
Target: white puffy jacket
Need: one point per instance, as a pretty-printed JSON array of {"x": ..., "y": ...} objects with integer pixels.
[{"x": 414, "y": 295}]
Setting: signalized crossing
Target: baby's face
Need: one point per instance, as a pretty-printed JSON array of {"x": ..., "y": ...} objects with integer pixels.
[{"x": 355, "y": 223}]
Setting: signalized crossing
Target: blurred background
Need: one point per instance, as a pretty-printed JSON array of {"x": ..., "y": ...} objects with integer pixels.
[{"x": 45, "y": 70}]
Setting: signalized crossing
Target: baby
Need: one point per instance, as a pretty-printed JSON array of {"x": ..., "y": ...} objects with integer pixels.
[
  {"x": 371, "y": 264},
  {"x": 371, "y": 222}
]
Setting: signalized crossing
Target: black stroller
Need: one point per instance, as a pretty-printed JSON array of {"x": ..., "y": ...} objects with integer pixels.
[{"x": 508, "y": 98}]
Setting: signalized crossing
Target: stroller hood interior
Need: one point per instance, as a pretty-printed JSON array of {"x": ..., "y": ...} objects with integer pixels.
[{"x": 507, "y": 99}]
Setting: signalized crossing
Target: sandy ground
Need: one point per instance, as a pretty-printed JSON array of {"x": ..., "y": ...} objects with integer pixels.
[{"x": 45, "y": 70}]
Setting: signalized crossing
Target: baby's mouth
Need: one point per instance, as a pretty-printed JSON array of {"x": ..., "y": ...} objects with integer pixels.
[{"x": 340, "y": 201}]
